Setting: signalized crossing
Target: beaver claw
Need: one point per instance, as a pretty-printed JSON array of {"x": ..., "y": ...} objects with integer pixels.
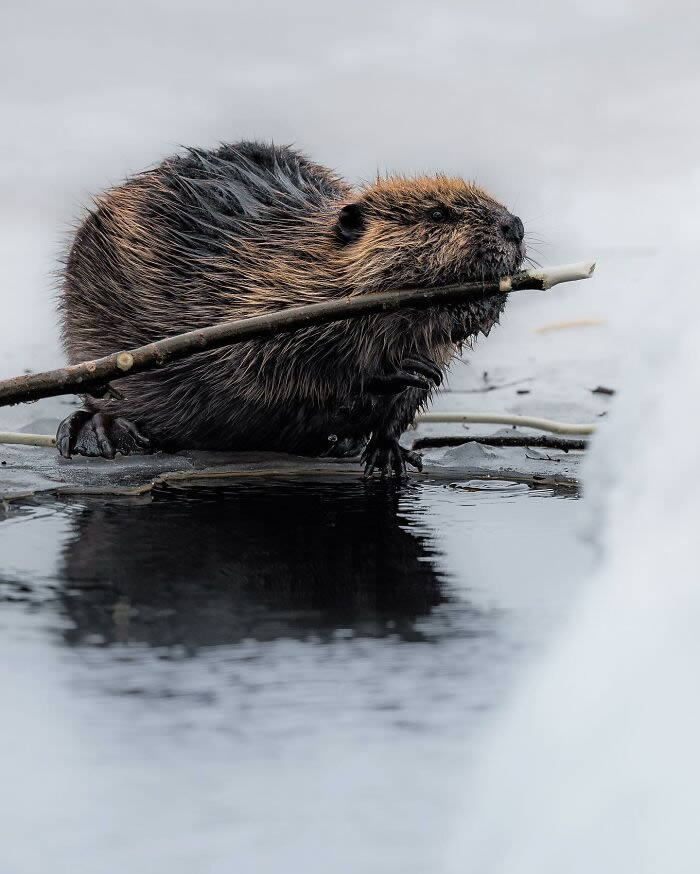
[
  {"x": 387, "y": 455},
  {"x": 99, "y": 435},
  {"x": 412, "y": 373}
]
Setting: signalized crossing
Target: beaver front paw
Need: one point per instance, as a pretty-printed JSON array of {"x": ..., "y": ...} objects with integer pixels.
[
  {"x": 411, "y": 373},
  {"x": 386, "y": 455},
  {"x": 99, "y": 435}
]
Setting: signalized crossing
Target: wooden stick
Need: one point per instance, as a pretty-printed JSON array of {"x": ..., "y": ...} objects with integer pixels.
[
  {"x": 27, "y": 439},
  {"x": 79, "y": 378},
  {"x": 507, "y": 419}
]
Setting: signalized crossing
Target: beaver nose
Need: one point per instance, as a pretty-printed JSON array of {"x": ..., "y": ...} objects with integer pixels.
[{"x": 513, "y": 229}]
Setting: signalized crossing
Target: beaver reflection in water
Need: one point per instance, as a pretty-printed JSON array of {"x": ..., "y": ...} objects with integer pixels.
[
  {"x": 247, "y": 229},
  {"x": 163, "y": 573}
]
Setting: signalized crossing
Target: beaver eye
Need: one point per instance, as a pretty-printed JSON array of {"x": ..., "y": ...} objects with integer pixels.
[{"x": 438, "y": 215}]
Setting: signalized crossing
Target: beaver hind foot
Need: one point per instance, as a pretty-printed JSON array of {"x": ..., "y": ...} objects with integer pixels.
[
  {"x": 98, "y": 435},
  {"x": 387, "y": 455}
]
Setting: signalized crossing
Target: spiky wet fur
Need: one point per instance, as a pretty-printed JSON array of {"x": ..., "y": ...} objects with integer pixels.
[{"x": 250, "y": 228}]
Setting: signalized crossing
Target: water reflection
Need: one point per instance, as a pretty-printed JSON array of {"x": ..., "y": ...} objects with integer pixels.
[{"x": 196, "y": 567}]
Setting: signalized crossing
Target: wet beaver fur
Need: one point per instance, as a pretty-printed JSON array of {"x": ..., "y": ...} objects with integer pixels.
[{"x": 250, "y": 228}]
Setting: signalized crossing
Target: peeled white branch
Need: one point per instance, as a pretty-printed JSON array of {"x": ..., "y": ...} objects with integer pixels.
[
  {"x": 468, "y": 418},
  {"x": 504, "y": 419},
  {"x": 27, "y": 439},
  {"x": 563, "y": 273}
]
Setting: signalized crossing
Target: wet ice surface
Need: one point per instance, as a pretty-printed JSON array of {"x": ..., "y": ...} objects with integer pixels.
[{"x": 253, "y": 675}]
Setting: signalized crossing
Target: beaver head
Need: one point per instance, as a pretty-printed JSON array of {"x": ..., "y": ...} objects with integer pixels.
[{"x": 429, "y": 230}]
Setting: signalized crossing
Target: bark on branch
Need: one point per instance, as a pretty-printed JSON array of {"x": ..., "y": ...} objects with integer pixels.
[{"x": 80, "y": 378}]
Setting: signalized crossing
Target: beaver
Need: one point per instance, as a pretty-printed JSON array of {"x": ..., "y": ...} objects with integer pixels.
[{"x": 248, "y": 228}]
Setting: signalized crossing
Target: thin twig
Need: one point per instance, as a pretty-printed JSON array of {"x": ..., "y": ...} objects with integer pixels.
[
  {"x": 506, "y": 419},
  {"x": 79, "y": 378},
  {"x": 486, "y": 388},
  {"x": 535, "y": 442}
]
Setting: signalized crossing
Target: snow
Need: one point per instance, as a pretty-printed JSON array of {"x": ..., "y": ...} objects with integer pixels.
[{"x": 596, "y": 763}]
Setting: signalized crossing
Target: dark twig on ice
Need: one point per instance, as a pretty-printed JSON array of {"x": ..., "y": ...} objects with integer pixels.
[
  {"x": 80, "y": 378},
  {"x": 532, "y": 442}
]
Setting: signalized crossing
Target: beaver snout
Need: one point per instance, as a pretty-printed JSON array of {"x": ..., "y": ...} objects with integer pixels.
[{"x": 512, "y": 228}]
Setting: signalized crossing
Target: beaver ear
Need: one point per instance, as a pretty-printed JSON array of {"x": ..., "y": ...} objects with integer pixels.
[{"x": 351, "y": 222}]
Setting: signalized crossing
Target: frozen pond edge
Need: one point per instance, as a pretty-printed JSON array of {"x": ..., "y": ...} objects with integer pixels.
[{"x": 28, "y": 471}]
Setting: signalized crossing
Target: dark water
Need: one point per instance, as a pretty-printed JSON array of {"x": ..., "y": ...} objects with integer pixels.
[
  {"x": 203, "y": 567},
  {"x": 199, "y": 567},
  {"x": 278, "y": 665},
  {"x": 470, "y": 567}
]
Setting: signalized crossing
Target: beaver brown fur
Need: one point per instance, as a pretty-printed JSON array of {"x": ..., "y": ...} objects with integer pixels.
[{"x": 250, "y": 228}]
